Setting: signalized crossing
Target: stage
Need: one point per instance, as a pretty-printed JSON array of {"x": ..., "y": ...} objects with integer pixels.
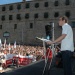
[{"x": 36, "y": 69}]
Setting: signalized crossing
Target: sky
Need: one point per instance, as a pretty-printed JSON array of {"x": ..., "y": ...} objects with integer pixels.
[{"x": 9, "y": 1}]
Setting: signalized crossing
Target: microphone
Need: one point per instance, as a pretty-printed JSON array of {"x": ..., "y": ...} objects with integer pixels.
[{"x": 36, "y": 37}]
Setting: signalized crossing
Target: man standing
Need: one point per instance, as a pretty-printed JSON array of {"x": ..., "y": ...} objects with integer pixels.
[{"x": 67, "y": 45}]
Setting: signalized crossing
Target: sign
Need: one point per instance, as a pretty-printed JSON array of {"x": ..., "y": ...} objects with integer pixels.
[{"x": 6, "y": 34}]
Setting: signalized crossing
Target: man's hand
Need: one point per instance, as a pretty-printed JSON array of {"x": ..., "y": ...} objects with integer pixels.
[{"x": 57, "y": 40}]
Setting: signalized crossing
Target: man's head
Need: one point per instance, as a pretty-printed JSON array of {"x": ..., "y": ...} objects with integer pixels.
[{"x": 63, "y": 20}]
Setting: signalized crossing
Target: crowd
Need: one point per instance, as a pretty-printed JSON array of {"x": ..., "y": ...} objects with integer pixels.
[{"x": 22, "y": 50}]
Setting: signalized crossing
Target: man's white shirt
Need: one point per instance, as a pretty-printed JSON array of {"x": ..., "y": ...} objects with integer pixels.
[{"x": 67, "y": 42}]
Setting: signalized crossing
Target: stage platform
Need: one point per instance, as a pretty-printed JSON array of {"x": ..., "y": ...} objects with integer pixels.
[{"x": 36, "y": 69}]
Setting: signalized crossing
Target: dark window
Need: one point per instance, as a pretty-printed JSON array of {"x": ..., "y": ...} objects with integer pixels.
[
  {"x": 27, "y": 15},
  {"x": 36, "y": 15},
  {"x": 19, "y": 6},
  {"x": 73, "y": 25},
  {"x": 56, "y": 14},
  {"x": 11, "y": 7},
  {"x": 67, "y": 2},
  {"x": 18, "y": 16},
  {"x": 31, "y": 25},
  {"x": 15, "y": 26},
  {"x": 46, "y": 4},
  {"x": 27, "y": 5},
  {"x": 3, "y": 18},
  {"x": 10, "y": 17},
  {"x": 67, "y": 14},
  {"x": 56, "y": 3},
  {"x": 3, "y": 8},
  {"x": 0, "y": 26},
  {"x": 46, "y": 15},
  {"x": 36, "y": 5}
]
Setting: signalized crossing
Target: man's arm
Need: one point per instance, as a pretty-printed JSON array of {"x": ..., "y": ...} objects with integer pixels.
[{"x": 58, "y": 39}]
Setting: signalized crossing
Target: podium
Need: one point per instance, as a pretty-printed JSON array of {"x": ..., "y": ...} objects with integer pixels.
[{"x": 46, "y": 58}]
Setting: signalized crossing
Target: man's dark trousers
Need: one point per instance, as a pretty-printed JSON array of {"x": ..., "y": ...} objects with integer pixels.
[{"x": 66, "y": 60}]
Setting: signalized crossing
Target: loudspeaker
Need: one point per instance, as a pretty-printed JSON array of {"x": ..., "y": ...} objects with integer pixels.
[{"x": 48, "y": 29}]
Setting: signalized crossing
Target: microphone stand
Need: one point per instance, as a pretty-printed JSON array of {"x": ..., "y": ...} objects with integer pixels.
[{"x": 45, "y": 57}]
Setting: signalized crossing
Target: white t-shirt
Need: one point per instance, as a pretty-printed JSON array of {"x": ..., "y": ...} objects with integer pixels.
[{"x": 67, "y": 42}]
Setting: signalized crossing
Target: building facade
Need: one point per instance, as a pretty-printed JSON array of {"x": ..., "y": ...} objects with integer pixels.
[{"x": 24, "y": 21}]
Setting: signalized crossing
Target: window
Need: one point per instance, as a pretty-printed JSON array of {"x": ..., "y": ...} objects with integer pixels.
[
  {"x": 18, "y": 16},
  {"x": 15, "y": 26},
  {"x": 0, "y": 26},
  {"x": 27, "y": 15},
  {"x": 36, "y": 15},
  {"x": 31, "y": 25},
  {"x": 10, "y": 7},
  {"x": 56, "y": 3},
  {"x": 27, "y": 5},
  {"x": 3, "y": 18},
  {"x": 3, "y": 8},
  {"x": 67, "y": 14},
  {"x": 36, "y": 5},
  {"x": 10, "y": 17},
  {"x": 46, "y": 4},
  {"x": 46, "y": 15},
  {"x": 67, "y": 2},
  {"x": 73, "y": 25},
  {"x": 19, "y": 6},
  {"x": 56, "y": 14}
]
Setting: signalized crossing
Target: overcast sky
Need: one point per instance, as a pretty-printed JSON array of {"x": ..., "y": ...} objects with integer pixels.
[{"x": 9, "y": 1}]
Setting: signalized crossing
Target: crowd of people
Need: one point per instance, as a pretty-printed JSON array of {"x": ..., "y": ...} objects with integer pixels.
[
  {"x": 35, "y": 53},
  {"x": 23, "y": 50}
]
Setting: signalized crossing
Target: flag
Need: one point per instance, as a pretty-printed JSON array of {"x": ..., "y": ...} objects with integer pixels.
[
  {"x": 4, "y": 43},
  {"x": 0, "y": 43},
  {"x": 9, "y": 48},
  {"x": 15, "y": 44}
]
